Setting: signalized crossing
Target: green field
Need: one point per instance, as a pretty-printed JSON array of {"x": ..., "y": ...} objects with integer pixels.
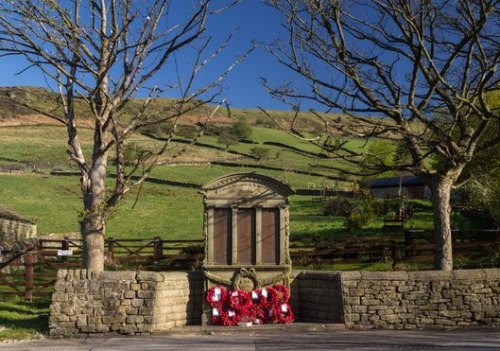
[{"x": 173, "y": 212}]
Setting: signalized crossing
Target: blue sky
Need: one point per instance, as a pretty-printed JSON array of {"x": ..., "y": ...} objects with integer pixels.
[{"x": 243, "y": 89}]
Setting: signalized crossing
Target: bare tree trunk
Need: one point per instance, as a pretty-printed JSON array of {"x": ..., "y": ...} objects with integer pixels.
[
  {"x": 93, "y": 224},
  {"x": 93, "y": 229},
  {"x": 440, "y": 198}
]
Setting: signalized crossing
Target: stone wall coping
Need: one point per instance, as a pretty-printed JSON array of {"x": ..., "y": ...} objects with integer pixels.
[
  {"x": 487, "y": 274},
  {"x": 117, "y": 275},
  {"x": 466, "y": 274},
  {"x": 316, "y": 275},
  {"x": 491, "y": 273}
]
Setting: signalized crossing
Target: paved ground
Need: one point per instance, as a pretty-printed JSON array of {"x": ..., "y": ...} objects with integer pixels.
[{"x": 250, "y": 340}]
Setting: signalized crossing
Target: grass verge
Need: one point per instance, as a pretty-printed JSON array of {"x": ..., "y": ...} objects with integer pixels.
[{"x": 20, "y": 320}]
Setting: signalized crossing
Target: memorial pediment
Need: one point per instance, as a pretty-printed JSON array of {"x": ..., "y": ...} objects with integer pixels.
[{"x": 250, "y": 188}]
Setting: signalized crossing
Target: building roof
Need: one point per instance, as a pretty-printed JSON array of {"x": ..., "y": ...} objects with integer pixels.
[
  {"x": 395, "y": 182},
  {"x": 8, "y": 214}
]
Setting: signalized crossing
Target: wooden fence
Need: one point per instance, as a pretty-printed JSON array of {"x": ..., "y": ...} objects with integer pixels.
[
  {"x": 33, "y": 272},
  {"x": 418, "y": 246}
]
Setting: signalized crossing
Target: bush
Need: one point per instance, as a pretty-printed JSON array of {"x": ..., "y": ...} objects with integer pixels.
[
  {"x": 261, "y": 153},
  {"x": 186, "y": 131},
  {"x": 362, "y": 214},
  {"x": 241, "y": 129},
  {"x": 227, "y": 139},
  {"x": 338, "y": 206},
  {"x": 265, "y": 122}
]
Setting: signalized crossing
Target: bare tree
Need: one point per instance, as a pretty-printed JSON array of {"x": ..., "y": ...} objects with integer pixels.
[
  {"x": 106, "y": 52},
  {"x": 415, "y": 72}
]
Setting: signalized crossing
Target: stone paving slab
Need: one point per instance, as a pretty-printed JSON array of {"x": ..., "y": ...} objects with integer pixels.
[{"x": 484, "y": 339}]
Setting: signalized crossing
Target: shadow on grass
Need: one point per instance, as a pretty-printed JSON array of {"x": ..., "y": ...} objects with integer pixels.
[
  {"x": 20, "y": 318},
  {"x": 38, "y": 323}
]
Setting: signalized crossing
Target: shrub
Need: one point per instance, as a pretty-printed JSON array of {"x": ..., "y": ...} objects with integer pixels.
[
  {"x": 265, "y": 122},
  {"x": 261, "y": 153},
  {"x": 361, "y": 214},
  {"x": 241, "y": 129},
  {"x": 338, "y": 206},
  {"x": 227, "y": 139}
]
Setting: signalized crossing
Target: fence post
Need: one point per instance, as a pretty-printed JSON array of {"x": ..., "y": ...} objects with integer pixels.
[
  {"x": 111, "y": 245},
  {"x": 28, "y": 276},
  {"x": 158, "y": 249},
  {"x": 408, "y": 243},
  {"x": 394, "y": 255},
  {"x": 65, "y": 247}
]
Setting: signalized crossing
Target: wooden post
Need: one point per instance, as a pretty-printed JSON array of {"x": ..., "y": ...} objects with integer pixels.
[
  {"x": 408, "y": 243},
  {"x": 111, "y": 244},
  {"x": 157, "y": 249},
  {"x": 28, "y": 277},
  {"x": 65, "y": 247}
]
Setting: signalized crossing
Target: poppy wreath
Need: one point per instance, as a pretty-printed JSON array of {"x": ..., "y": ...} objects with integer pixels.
[
  {"x": 230, "y": 319},
  {"x": 219, "y": 318},
  {"x": 283, "y": 314},
  {"x": 283, "y": 295},
  {"x": 268, "y": 297},
  {"x": 210, "y": 297},
  {"x": 240, "y": 301},
  {"x": 270, "y": 315},
  {"x": 257, "y": 314},
  {"x": 256, "y": 294}
]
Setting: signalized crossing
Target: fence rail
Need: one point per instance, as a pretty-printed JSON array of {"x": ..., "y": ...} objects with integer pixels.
[{"x": 32, "y": 273}]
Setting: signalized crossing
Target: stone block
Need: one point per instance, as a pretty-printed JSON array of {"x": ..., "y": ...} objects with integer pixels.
[
  {"x": 145, "y": 276},
  {"x": 351, "y": 301},
  {"x": 450, "y": 314},
  {"x": 131, "y": 310},
  {"x": 116, "y": 276},
  {"x": 352, "y": 317},
  {"x": 444, "y": 322},
  {"x": 146, "y": 294},
  {"x": 370, "y": 302},
  {"x": 130, "y": 294},
  {"x": 134, "y": 319},
  {"x": 81, "y": 322},
  {"x": 59, "y": 297},
  {"x": 475, "y": 307},
  {"x": 61, "y": 273},
  {"x": 137, "y": 302},
  {"x": 146, "y": 311},
  {"x": 403, "y": 288},
  {"x": 116, "y": 319},
  {"x": 353, "y": 292}
]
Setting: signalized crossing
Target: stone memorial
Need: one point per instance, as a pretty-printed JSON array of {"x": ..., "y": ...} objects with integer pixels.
[{"x": 246, "y": 229}]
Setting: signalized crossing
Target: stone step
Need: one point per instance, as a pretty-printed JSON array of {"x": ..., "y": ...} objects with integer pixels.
[{"x": 255, "y": 329}]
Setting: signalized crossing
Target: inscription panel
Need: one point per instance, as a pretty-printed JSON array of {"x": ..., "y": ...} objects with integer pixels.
[
  {"x": 270, "y": 235},
  {"x": 222, "y": 236},
  {"x": 246, "y": 236}
]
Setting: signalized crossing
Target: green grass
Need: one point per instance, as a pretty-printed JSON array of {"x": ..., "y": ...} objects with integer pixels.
[
  {"x": 21, "y": 320},
  {"x": 54, "y": 204},
  {"x": 172, "y": 212}
]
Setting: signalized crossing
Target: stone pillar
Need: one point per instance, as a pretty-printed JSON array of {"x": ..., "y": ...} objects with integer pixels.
[
  {"x": 210, "y": 235},
  {"x": 234, "y": 235},
  {"x": 258, "y": 236}
]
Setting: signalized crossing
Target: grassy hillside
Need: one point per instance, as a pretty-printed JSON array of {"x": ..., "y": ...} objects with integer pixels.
[{"x": 166, "y": 210}]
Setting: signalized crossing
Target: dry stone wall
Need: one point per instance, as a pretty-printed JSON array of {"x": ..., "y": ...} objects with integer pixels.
[
  {"x": 124, "y": 302},
  {"x": 13, "y": 229},
  {"x": 410, "y": 300},
  {"x": 148, "y": 302},
  {"x": 316, "y": 297}
]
